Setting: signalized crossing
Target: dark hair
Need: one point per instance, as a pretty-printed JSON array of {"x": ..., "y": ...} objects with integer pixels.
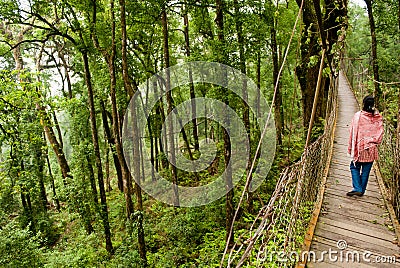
[{"x": 368, "y": 104}]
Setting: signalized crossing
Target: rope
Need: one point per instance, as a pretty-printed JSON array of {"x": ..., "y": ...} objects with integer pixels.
[
  {"x": 294, "y": 96},
  {"x": 314, "y": 108}
]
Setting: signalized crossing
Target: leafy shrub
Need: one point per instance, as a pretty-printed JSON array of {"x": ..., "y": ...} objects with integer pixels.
[
  {"x": 18, "y": 248},
  {"x": 81, "y": 251}
]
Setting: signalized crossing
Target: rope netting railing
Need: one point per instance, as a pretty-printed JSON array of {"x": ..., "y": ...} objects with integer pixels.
[
  {"x": 277, "y": 234},
  {"x": 361, "y": 80}
]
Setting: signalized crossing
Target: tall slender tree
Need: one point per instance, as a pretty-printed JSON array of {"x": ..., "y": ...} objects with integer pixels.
[
  {"x": 374, "y": 53},
  {"x": 170, "y": 105},
  {"x": 135, "y": 135},
  {"x": 219, "y": 21},
  {"x": 192, "y": 92}
]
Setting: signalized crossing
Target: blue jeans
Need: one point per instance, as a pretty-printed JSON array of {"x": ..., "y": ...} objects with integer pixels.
[{"x": 359, "y": 175}]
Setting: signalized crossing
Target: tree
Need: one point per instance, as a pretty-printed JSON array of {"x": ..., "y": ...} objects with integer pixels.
[
  {"x": 374, "y": 54},
  {"x": 222, "y": 54},
  {"x": 192, "y": 93},
  {"x": 136, "y": 165},
  {"x": 315, "y": 23},
  {"x": 170, "y": 106}
]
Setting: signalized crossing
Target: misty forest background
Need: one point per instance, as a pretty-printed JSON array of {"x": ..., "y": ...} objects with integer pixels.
[{"x": 68, "y": 71}]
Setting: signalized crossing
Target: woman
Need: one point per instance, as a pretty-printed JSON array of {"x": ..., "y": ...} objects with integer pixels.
[{"x": 366, "y": 133}]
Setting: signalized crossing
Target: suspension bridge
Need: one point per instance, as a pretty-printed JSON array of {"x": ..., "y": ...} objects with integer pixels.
[{"x": 309, "y": 221}]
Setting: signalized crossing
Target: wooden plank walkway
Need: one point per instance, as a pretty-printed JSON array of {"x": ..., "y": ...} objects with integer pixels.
[{"x": 359, "y": 223}]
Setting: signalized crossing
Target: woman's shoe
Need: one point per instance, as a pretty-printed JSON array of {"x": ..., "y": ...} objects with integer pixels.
[{"x": 354, "y": 193}]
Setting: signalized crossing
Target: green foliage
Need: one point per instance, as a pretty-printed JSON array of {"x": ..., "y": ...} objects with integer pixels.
[
  {"x": 51, "y": 55},
  {"x": 83, "y": 251},
  {"x": 177, "y": 236},
  {"x": 19, "y": 248}
]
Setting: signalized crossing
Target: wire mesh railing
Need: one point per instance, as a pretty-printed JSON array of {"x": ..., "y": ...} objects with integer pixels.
[{"x": 277, "y": 234}]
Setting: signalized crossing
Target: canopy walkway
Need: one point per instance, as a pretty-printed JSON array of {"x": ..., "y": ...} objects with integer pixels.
[{"x": 342, "y": 231}]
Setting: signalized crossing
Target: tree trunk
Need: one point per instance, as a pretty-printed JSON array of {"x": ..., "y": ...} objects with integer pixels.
[
  {"x": 258, "y": 71},
  {"x": 192, "y": 93},
  {"x": 163, "y": 139},
  {"x": 92, "y": 179},
  {"x": 219, "y": 20},
  {"x": 171, "y": 142},
  {"x": 130, "y": 91},
  {"x": 307, "y": 70},
  {"x": 246, "y": 110},
  {"x": 138, "y": 190},
  {"x": 111, "y": 142},
  {"x": 57, "y": 128},
  {"x": 95, "y": 140},
  {"x": 26, "y": 204},
  {"x": 107, "y": 166},
  {"x": 153, "y": 132},
  {"x": 66, "y": 69},
  {"x": 51, "y": 137},
  {"x": 53, "y": 187},
  {"x": 43, "y": 196},
  {"x": 396, "y": 173},
  {"x": 335, "y": 18},
  {"x": 120, "y": 165},
  {"x": 374, "y": 45},
  {"x": 42, "y": 187},
  {"x": 242, "y": 63},
  {"x": 153, "y": 149},
  {"x": 278, "y": 109}
]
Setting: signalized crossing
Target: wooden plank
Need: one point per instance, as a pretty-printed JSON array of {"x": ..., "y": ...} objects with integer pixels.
[
  {"x": 336, "y": 260},
  {"x": 338, "y": 173},
  {"x": 355, "y": 203},
  {"x": 341, "y": 161},
  {"x": 341, "y": 189},
  {"x": 342, "y": 143},
  {"x": 370, "y": 260},
  {"x": 355, "y": 215},
  {"x": 361, "y": 227},
  {"x": 345, "y": 185},
  {"x": 340, "y": 153},
  {"x": 345, "y": 169},
  {"x": 362, "y": 199},
  {"x": 362, "y": 241},
  {"x": 347, "y": 179},
  {"x": 322, "y": 265},
  {"x": 352, "y": 220}
]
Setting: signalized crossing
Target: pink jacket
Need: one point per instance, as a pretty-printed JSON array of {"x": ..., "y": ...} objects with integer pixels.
[{"x": 366, "y": 132}]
